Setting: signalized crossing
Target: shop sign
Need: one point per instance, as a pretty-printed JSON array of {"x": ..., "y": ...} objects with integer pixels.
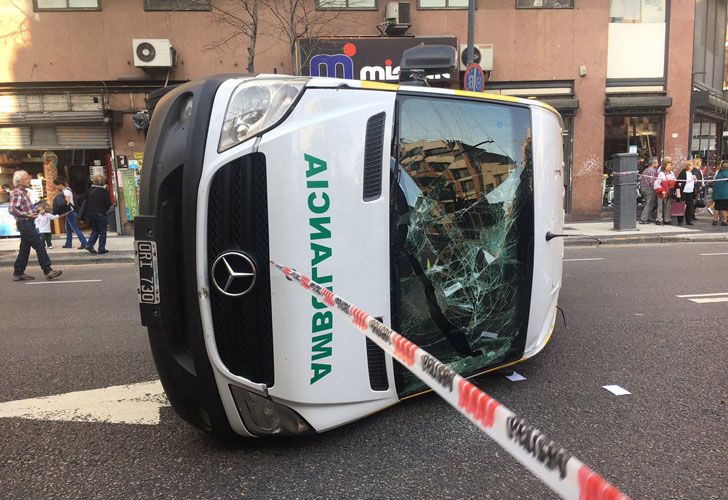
[
  {"x": 374, "y": 59},
  {"x": 128, "y": 183}
]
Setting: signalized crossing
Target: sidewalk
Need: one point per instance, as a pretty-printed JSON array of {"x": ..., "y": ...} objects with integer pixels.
[
  {"x": 121, "y": 248},
  {"x": 603, "y": 233}
]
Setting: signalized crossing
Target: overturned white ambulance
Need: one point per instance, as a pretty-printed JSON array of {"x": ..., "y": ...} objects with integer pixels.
[{"x": 428, "y": 208}]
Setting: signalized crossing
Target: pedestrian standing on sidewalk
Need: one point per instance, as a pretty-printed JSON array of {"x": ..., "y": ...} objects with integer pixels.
[
  {"x": 97, "y": 204},
  {"x": 647, "y": 182},
  {"x": 43, "y": 225},
  {"x": 685, "y": 189},
  {"x": 71, "y": 223},
  {"x": 664, "y": 184},
  {"x": 22, "y": 209},
  {"x": 720, "y": 195},
  {"x": 666, "y": 159},
  {"x": 699, "y": 186}
]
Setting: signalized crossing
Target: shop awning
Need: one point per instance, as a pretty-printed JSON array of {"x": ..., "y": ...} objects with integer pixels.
[
  {"x": 638, "y": 102},
  {"x": 710, "y": 104},
  {"x": 42, "y": 137},
  {"x": 23, "y": 118},
  {"x": 564, "y": 105}
]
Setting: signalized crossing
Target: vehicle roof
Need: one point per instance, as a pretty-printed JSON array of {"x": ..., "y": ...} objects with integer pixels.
[{"x": 321, "y": 82}]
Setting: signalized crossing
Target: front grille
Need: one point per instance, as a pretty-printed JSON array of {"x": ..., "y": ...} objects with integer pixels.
[
  {"x": 170, "y": 258},
  {"x": 238, "y": 220}
]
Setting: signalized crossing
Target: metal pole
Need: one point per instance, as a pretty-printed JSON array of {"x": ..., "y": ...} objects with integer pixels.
[
  {"x": 471, "y": 30},
  {"x": 114, "y": 183}
]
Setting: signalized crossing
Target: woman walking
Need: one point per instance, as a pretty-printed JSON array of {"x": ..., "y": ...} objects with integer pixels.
[
  {"x": 685, "y": 188},
  {"x": 664, "y": 183},
  {"x": 71, "y": 224},
  {"x": 720, "y": 195},
  {"x": 97, "y": 204}
]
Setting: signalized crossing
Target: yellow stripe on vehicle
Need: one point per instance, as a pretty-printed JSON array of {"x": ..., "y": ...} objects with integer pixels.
[{"x": 391, "y": 87}]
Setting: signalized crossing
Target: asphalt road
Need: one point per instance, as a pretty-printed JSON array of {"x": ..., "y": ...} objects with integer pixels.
[{"x": 625, "y": 326}]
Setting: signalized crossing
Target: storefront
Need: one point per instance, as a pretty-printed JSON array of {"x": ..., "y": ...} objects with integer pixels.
[
  {"x": 632, "y": 124},
  {"x": 709, "y": 112},
  {"x": 51, "y": 135}
]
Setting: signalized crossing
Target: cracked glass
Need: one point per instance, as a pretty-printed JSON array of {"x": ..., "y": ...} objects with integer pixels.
[{"x": 463, "y": 232}]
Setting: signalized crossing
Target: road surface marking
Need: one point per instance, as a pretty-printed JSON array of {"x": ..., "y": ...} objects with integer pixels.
[
  {"x": 121, "y": 404},
  {"x": 718, "y": 253},
  {"x": 69, "y": 281},
  {"x": 702, "y": 295},
  {"x": 574, "y": 260},
  {"x": 709, "y": 300}
]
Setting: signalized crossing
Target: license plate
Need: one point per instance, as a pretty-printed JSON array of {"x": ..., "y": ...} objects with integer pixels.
[{"x": 146, "y": 258}]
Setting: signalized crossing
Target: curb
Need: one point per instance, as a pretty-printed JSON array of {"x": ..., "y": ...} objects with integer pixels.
[
  {"x": 653, "y": 239},
  {"x": 116, "y": 258},
  {"x": 128, "y": 256}
]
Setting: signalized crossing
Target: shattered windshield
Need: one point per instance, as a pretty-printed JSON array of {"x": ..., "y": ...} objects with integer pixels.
[{"x": 463, "y": 229}]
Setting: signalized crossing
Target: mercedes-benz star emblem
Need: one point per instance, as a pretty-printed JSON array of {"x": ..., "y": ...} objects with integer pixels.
[{"x": 233, "y": 273}]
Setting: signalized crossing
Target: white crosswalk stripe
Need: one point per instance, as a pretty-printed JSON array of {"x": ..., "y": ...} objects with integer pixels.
[
  {"x": 705, "y": 298},
  {"x": 709, "y": 300}
]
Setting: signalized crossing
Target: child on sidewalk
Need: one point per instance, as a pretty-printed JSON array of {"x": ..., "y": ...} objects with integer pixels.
[{"x": 43, "y": 225}]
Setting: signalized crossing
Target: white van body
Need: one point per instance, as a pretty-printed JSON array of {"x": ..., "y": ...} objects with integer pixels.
[{"x": 334, "y": 141}]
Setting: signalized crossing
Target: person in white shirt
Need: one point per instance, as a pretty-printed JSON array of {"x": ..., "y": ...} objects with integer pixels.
[
  {"x": 663, "y": 184},
  {"x": 686, "y": 183},
  {"x": 43, "y": 225}
]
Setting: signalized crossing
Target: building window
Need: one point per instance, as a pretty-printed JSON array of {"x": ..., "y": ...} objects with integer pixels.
[
  {"x": 347, "y": 4},
  {"x": 707, "y": 135},
  {"x": 40, "y": 5},
  {"x": 637, "y": 11},
  {"x": 544, "y": 4},
  {"x": 176, "y": 4},
  {"x": 709, "y": 44},
  {"x": 443, "y": 4}
]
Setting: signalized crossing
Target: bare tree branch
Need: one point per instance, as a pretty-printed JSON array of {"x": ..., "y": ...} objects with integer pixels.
[
  {"x": 239, "y": 22},
  {"x": 293, "y": 20}
]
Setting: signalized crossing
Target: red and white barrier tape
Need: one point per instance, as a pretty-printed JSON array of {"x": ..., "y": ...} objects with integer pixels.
[
  {"x": 551, "y": 463},
  {"x": 697, "y": 181}
]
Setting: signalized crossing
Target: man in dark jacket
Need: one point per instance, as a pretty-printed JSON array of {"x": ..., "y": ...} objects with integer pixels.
[{"x": 97, "y": 206}]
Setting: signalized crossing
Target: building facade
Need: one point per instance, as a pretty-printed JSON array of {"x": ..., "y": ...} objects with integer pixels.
[{"x": 627, "y": 75}]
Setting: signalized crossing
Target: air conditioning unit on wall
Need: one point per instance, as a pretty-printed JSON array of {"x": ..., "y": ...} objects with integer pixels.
[
  {"x": 153, "y": 53},
  {"x": 398, "y": 18},
  {"x": 482, "y": 54}
]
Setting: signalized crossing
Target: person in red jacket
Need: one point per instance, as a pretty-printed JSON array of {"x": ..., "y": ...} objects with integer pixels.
[{"x": 664, "y": 183}]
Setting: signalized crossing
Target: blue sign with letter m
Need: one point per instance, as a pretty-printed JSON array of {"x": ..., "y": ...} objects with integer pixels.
[{"x": 330, "y": 64}]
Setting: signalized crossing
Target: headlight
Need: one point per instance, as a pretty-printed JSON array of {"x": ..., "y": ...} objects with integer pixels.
[
  {"x": 264, "y": 417},
  {"x": 186, "y": 111},
  {"x": 257, "y": 105}
]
